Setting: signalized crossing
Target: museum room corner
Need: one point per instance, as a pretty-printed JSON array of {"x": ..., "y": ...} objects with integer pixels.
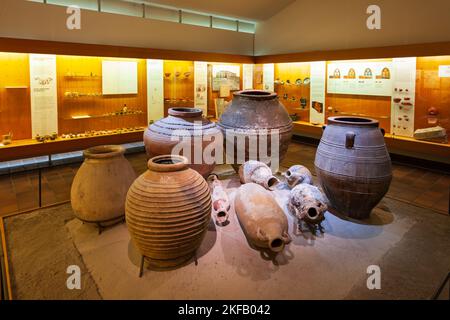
[{"x": 207, "y": 151}]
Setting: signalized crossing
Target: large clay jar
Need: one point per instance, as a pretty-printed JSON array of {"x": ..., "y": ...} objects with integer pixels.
[
  {"x": 353, "y": 165},
  {"x": 255, "y": 115},
  {"x": 100, "y": 186},
  {"x": 262, "y": 219},
  {"x": 161, "y": 137},
  {"x": 168, "y": 209}
]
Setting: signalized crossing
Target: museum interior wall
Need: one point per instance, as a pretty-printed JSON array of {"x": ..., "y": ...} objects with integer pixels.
[
  {"x": 30, "y": 20},
  {"x": 307, "y": 25},
  {"x": 407, "y": 94}
]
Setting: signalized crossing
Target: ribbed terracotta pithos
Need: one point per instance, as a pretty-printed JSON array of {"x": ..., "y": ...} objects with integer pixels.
[
  {"x": 161, "y": 137},
  {"x": 255, "y": 117},
  {"x": 353, "y": 165},
  {"x": 100, "y": 186},
  {"x": 168, "y": 209}
]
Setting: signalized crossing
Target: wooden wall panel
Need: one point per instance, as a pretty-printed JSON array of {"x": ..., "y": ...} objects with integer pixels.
[
  {"x": 15, "y": 105},
  {"x": 292, "y": 72},
  {"x": 178, "y": 90},
  {"x": 82, "y": 75},
  {"x": 432, "y": 91}
]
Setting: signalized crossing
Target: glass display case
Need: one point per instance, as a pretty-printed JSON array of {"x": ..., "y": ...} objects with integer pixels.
[
  {"x": 410, "y": 97},
  {"x": 62, "y": 97},
  {"x": 178, "y": 84},
  {"x": 88, "y": 105}
]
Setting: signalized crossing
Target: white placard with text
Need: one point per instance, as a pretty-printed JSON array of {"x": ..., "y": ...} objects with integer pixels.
[
  {"x": 317, "y": 101},
  {"x": 269, "y": 77},
  {"x": 119, "y": 77},
  {"x": 43, "y": 88},
  {"x": 155, "y": 89},
  {"x": 247, "y": 76},
  {"x": 360, "y": 78}
]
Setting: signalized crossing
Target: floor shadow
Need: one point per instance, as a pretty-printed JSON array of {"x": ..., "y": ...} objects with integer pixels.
[
  {"x": 380, "y": 215},
  {"x": 208, "y": 242}
]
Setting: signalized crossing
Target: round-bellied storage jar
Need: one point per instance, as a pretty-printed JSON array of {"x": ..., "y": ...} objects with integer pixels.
[
  {"x": 161, "y": 137},
  {"x": 254, "y": 116},
  {"x": 353, "y": 165},
  {"x": 168, "y": 209},
  {"x": 101, "y": 184}
]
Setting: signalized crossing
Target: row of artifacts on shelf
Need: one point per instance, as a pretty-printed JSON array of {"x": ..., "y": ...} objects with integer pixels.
[
  {"x": 87, "y": 134},
  {"x": 181, "y": 208},
  {"x": 121, "y": 112},
  {"x": 297, "y": 82},
  {"x": 178, "y": 74}
]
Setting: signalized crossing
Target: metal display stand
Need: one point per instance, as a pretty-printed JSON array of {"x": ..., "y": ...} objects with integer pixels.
[{"x": 441, "y": 288}]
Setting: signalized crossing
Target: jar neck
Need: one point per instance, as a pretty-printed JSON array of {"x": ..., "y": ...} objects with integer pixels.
[{"x": 167, "y": 163}]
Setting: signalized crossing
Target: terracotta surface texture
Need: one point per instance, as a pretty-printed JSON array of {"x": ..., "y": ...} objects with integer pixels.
[
  {"x": 259, "y": 173},
  {"x": 261, "y": 218},
  {"x": 101, "y": 184},
  {"x": 255, "y": 117},
  {"x": 188, "y": 126},
  {"x": 168, "y": 209}
]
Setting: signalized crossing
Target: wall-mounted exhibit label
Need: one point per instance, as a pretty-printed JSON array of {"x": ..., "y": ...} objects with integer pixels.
[
  {"x": 403, "y": 96},
  {"x": 268, "y": 76},
  {"x": 155, "y": 90},
  {"x": 317, "y": 104},
  {"x": 247, "y": 76},
  {"x": 201, "y": 86},
  {"x": 444, "y": 71},
  {"x": 119, "y": 77},
  {"x": 44, "y": 102},
  {"x": 360, "y": 78}
]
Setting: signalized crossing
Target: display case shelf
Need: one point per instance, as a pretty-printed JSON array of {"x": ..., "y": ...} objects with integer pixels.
[
  {"x": 26, "y": 148},
  {"x": 82, "y": 77},
  {"x": 16, "y": 87},
  {"x": 102, "y": 116}
]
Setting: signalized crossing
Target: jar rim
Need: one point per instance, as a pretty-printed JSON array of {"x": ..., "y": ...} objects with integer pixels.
[
  {"x": 256, "y": 94},
  {"x": 167, "y": 163},
  {"x": 104, "y": 151},
  {"x": 355, "y": 121},
  {"x": 185, "y": 112}
]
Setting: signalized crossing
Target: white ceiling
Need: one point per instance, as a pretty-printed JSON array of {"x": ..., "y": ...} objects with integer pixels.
[{"x": 254, "y": 10}]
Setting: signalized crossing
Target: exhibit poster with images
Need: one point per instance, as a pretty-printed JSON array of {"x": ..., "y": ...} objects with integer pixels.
[
  {"x": 44, "y": 101},
  {"x": 360, "y": 78},
  {"x": 226, "y": 75}
]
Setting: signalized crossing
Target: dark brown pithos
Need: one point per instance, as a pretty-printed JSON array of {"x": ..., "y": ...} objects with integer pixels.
[
  {"x": 168, "y": 209},
  {"x": 182, "y": 122},
  {"x": 353, "y": 165},
  {"x": 254, "y": 114}
]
